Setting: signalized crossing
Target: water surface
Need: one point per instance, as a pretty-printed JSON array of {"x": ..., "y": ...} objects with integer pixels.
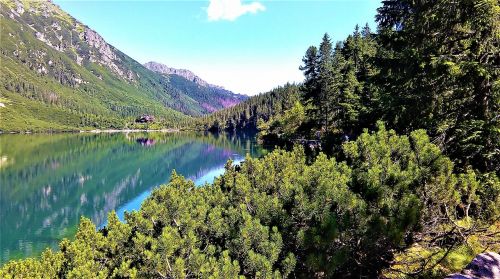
[{"x": 48, "y": 181}]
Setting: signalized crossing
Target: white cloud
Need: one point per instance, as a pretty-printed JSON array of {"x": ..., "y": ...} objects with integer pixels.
[{"x": 231, "y": 9}]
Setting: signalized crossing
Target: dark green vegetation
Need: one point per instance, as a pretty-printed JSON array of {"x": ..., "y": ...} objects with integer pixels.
[
  {"x": 57, "y": 74},
  {"x": 430, "y": 65},
  {"x": 246, "y": 115},
  {"x": 48, "y": 181},
  {"x": 281, "y": 217}
]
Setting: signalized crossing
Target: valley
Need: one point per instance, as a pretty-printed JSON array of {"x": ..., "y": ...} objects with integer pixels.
[{"x": 57, "y": 74}]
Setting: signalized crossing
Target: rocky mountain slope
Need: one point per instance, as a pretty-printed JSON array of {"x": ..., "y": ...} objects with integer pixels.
[
  {"x": 56, "y": 73},
  {"x": 214, "y": 97},
  {"x": 187, "y": 74}
]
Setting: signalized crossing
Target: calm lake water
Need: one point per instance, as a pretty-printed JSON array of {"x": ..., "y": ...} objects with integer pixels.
[{"x": 48, "y": 181}]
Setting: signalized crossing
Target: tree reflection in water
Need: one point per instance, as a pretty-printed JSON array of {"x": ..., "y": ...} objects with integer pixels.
[{"x": 48, "y": 181}]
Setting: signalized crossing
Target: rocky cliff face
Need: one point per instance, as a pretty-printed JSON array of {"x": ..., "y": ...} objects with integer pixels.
[
  {"x": 50, "y": 58},
  {"x": 104, "y": 54},
  {"x": 60, "y": 31}
]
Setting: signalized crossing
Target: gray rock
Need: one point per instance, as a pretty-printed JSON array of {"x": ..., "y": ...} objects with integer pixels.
[
  {"x": 187, "y": 74},
  {"x": 483, "y": 266}
]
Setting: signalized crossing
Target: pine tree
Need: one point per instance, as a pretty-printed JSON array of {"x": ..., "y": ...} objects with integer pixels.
[
  {"x": 325, "y": 80},
  {"x": 310, "y": 69},
  {"x": 441, "y": 71}
]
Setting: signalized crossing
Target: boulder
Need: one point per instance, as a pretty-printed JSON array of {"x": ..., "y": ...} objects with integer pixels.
[{"x": 483, "y": 266}]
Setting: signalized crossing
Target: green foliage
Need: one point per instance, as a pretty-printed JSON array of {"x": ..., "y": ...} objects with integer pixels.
[
  {"x": 336, "y": 83},
  {"x": 245, "y": 115},
  {"x": 432, "y": 261},
  {"x": 286, "y": 126},
  {"x": 440, "y": 71},
  {"x": 41, "y": 97},
  {"x": 431, "y": 65},
  {"x": 73, "y": 168},
  {"x": 382, "y": 201},
  {"x": 278, "y": 217}
]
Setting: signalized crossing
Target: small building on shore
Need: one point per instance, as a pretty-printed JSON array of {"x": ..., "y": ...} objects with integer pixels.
[{"x": 146, "y": 118}]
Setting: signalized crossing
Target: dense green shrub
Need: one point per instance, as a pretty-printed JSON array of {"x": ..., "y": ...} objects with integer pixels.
[{"x": 279, "y": 217}]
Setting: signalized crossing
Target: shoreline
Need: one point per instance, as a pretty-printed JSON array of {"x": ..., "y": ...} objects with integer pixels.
[
  {"x": 98, "y": 131},
  {"x": 95, "y": 131}
]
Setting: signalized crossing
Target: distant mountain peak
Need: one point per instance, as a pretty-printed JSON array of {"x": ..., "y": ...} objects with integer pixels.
[
  {"x": 187, "y": 74},
  {"x": 218, "y": 97}
]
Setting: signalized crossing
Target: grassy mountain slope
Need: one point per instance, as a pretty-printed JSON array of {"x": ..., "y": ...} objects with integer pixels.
[{"x": 58, "y": 74}]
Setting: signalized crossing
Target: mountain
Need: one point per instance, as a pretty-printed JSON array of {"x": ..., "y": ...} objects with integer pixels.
[
  {"x": 187, "y": 74},
  {"x": 214, "y": 97},
  {"x": 58, "y": 74}
]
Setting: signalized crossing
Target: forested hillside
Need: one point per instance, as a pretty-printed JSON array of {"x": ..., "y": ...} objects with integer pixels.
[
  {"x": 58, "y": 74},
  {"x": 429, "y": 66},
  {"x": 245, "y": 115}
]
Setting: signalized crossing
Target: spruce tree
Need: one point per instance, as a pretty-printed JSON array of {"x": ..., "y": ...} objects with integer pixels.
[
  {"x": 441, "y": 71},
  {"x": 325, "y": 80}
]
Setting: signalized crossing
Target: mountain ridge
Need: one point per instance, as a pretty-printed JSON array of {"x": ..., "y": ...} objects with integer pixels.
[
  {"x": 187, "y": 74},
  {"x": 59, "y": 74},
  {"x": 226, "y": 99}
]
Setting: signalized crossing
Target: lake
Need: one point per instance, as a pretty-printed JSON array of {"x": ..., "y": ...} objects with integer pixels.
[{"x": 48, "y": 181}]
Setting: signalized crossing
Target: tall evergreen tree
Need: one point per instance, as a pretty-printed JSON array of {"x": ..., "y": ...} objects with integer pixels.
[
  {"x": 325, "y": 79},
  {"x": 335, "y": 93},
  {"x": 310, "y": 85},
  {"x": 349, "y": 99},
  {"x": 441, "y": 72}
]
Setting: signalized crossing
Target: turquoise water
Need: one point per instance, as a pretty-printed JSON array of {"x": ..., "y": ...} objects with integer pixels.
[{"x": 48, "y": 181}]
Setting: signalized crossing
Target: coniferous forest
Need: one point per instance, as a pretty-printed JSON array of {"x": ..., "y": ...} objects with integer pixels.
[{"x": 403, "y": 184}]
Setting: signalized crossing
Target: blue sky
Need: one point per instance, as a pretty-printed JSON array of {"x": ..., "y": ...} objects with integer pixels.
[{"x": 246, "y": 46}]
